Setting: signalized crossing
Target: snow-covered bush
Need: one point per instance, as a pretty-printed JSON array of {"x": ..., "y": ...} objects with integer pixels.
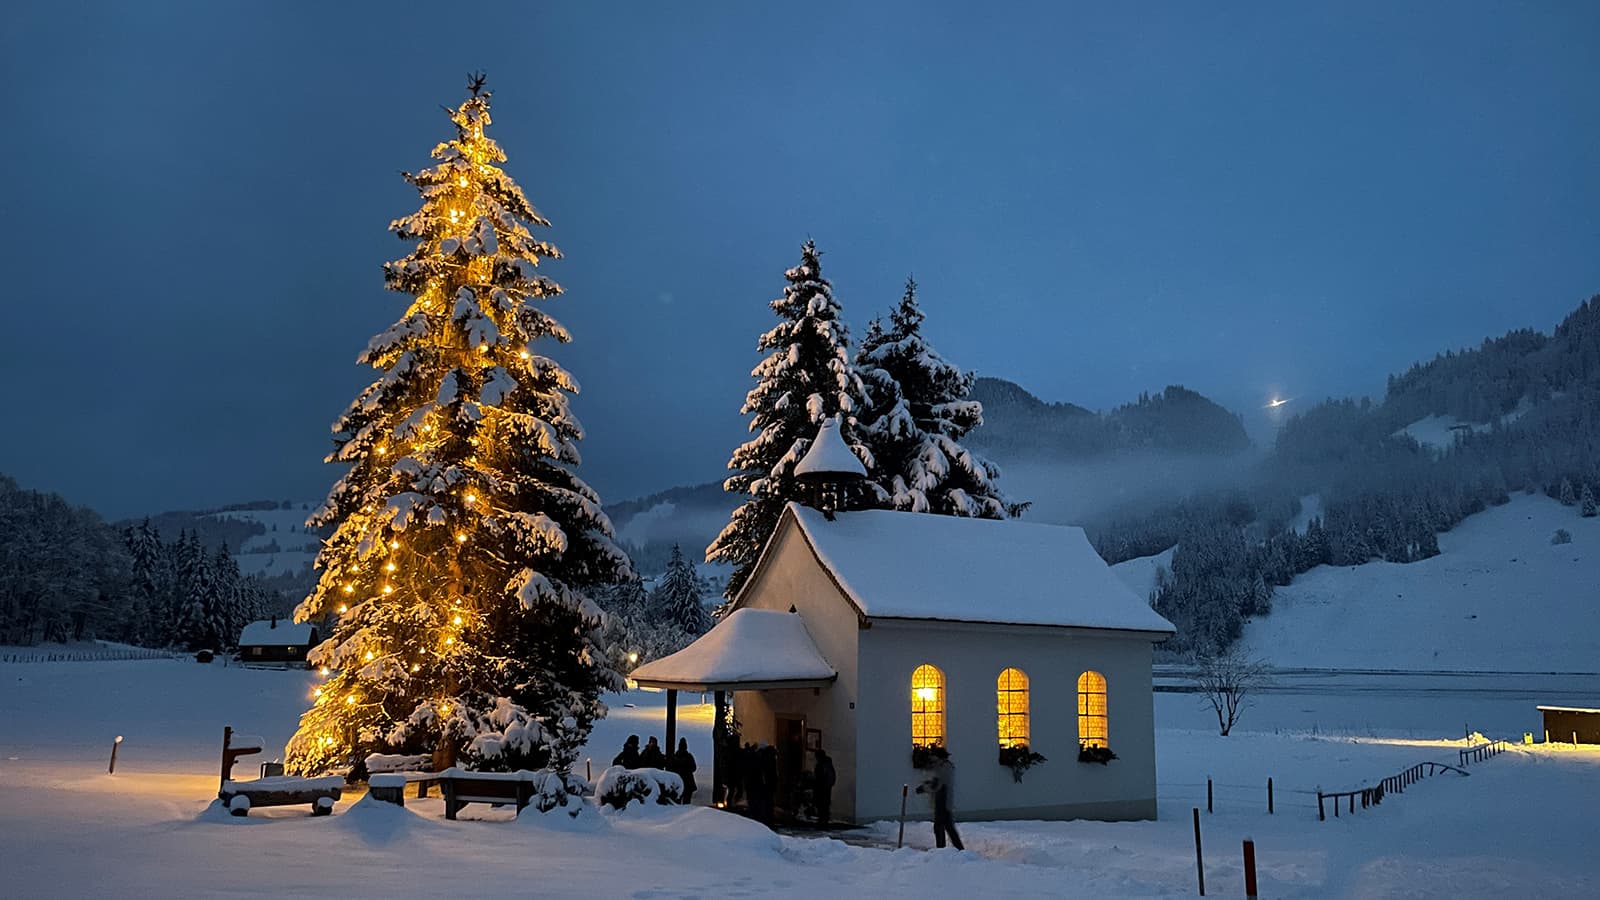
[
  {"x": 618, "y": 787},
  {"x": 1562, "y": 536}
]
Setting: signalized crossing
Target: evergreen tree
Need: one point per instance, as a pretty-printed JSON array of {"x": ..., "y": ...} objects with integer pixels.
[
  {"x": 1586, "y": 502},
  {"x": 463, "y": 537},
  {"x": 918, "y": 413},
  {"x": 805, "y": 379},
  {"x": 676, "y": 601},
  {"x": 1566, "y": 495}
]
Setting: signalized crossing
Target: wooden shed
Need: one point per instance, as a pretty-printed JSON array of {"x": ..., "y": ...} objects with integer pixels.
[
  {"x": 277, "y": 642},
  {"x": 1571, "y": 723}
]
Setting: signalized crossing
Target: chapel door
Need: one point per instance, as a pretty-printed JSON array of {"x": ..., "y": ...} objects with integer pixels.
[{"x": 790, "y": 740}]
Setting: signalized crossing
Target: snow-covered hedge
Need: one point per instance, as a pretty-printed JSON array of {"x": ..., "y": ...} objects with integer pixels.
[{"x": 618, "y": 787}]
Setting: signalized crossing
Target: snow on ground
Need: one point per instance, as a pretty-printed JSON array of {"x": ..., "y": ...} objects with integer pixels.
[
  {"x": 1518, "y": 825},
  {"x": 1310, "y": 508},
  {"x": 1439, "y": 432},
  {"x": 1499, "y": 597},
  {"x": 287, "y": 545},
  {"x": 1139, "y": 574}
]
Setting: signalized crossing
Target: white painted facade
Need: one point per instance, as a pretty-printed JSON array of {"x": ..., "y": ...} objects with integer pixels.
[{"x": 864, "y": 716}]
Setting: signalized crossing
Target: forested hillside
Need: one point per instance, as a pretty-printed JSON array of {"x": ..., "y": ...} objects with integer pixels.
[
  {"x": 1525, "y": 414},
  {"x": 66, "y": 575},
  {"x": 1016, "y": 424}
]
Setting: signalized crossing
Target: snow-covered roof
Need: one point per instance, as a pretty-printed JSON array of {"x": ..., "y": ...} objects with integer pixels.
[
  {"x": 829, "y": 453},
  {"x": 276, "y": 631},
  {"x": 903, "y": 565},
  {"x": 750, "y": 649}
]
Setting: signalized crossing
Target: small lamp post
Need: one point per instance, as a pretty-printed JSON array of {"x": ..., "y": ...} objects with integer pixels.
[{"x": 112, "y": 769}]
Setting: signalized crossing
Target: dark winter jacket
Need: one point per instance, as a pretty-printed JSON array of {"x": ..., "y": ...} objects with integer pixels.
[
  {"x": 683, "y": 765},
  {"x": 629, "y": 757},
  {"x": 825, "y": 774},
  {"x": 940, "y": 783},
  {"x": 651, "y": 756}
]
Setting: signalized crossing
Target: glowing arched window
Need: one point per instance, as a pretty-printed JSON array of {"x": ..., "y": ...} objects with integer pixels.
[
  {"x": 1012, "y": 693},
  {"x": 1092, "y": 731},
  {"x": 927, "y": 707}
]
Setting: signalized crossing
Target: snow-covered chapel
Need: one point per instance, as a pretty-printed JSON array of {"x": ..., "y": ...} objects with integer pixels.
[{"x": 871, "y": 633}]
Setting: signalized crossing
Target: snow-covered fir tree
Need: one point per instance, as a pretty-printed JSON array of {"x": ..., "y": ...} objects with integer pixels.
[
  {"x": 676, "y": 604},
  {"x": 806, "y": 378},
  {"x": 918, "y": 413},
  {"x": 1586, "y": 503},
  {"x": 463, "y": 537}
]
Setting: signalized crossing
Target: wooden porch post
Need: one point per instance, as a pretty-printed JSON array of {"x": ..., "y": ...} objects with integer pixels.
[
  {"x": 719, "y": 739},
  {"x": 672, "y": 722}
]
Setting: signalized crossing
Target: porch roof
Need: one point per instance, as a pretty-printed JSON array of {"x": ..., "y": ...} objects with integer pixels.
[{"x": 751, "y": 649}]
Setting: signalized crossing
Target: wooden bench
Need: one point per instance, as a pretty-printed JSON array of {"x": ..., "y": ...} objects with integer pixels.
[
  {"x": 461, "y": 787},
  {"x": 390, "y": 787},
  {"x": 283, "y": 790}
]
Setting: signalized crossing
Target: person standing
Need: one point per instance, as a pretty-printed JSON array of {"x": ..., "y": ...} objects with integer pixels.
[
  {"x": 651, "y": 756},
  {"x": 683, "y": 765},
  {"x": 941, "y": 785},
  {"x": 629, "y": 757},
  {"x": 823, "y": 778}
]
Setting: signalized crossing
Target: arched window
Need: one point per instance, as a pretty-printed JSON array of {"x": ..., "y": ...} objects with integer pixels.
[
  {"x": 1092, "y": 730},
  {"x": 1012, "y": 692},
  {"x": 927, "y": 707}
]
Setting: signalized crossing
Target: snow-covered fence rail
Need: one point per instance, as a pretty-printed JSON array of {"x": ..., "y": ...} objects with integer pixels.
[
  {"x": 1394, "y": 784},
  {"x": 103, "y": 654},
  {"x": 1482, "y": 752}
]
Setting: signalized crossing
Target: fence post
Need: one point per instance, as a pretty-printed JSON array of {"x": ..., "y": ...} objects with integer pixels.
[
  {"x": 901, "y": 840},
  {"x": 1249, "y": 868},
  {"x": 1321, "y": 816},
  {"x": 1208, "y": 796},
  {"x": 1199, "y": 860},
  {"x": 1269, "y": 795}
]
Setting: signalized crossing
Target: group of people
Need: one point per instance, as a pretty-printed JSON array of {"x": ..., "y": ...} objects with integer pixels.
[
  {"x": 681, "y": 763},
  {"x": 753, "y": 778}
]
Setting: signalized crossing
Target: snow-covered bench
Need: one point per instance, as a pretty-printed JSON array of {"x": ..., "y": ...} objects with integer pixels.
[
  {"x": 389, "y": 773},
  {"x": 461, "y": 787},
  {"x": 282, "y": 790}
]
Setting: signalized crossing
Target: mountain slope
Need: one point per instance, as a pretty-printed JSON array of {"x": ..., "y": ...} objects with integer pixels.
[{"x": 1499, "y": 596}]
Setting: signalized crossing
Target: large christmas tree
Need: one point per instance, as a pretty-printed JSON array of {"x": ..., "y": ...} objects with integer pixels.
[
  {"x": 463, "y": 537},
  {"x": 919, "y": 412},
  {"x": 806, "y": 378}
]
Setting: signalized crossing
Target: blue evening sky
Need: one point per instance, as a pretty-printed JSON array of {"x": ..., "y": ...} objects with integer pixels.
[{"x": 1097, "y": 199}]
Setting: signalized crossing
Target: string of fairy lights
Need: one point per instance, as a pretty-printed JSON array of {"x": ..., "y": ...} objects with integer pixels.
[{"x": 390, "y": 569}]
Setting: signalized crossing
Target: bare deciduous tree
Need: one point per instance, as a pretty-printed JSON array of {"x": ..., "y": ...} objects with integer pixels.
[{"x": 1225, "y": 681}]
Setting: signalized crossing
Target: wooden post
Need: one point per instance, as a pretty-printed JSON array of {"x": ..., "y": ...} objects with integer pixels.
[
  {"x": 1321, "y": 816},
  {"x": 672, "y": 722},
  {"x": 1269, "y": 795},
  {"x": 901, "y": 840},
  {"x": 1249, "y": 868},
  {"x": 112, "y": 769},
  {"x": 588, "y": 769},
  {"x": 227, "y": 760},
  {"x": 1208, "y": 797},
  {"x": 719, "y": 739},
  {"x": 1199, "y": 859}
]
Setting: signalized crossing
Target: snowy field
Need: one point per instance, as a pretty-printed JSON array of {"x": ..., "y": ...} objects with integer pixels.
[
  {"x": 286, "y": 545},
  {"x": 1499, "y": 597},
  {"x": 1519, "y": 825}
]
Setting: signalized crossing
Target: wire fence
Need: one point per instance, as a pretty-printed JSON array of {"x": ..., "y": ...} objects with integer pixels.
[{"x": 86, "y": 654}]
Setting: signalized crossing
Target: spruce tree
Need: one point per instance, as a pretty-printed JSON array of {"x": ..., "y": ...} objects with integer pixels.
[
  {"x": 805, "y": 379},
  {"x": 676, "y": 602},
  {"x": 463, "y": 538},
  {"x": 919, "y": 411},
  {"x": 1586, "y": 502}
]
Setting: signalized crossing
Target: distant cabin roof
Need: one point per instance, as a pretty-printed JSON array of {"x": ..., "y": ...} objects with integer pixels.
[
  {"x": 287, "y": 633},
  {"x": 829, "y": 453},
  {"x": 750, "y": 649},
  {"x": 903, "y": 565}
]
